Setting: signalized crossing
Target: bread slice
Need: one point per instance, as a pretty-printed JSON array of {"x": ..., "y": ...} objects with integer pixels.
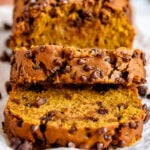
[
  {"x": 79, "y": 23},
  {"x": 52, "y": 64},
  {"x": 96, "y": 117}
]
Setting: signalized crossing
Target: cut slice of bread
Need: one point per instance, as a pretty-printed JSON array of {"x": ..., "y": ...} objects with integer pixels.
[
  {"x": 53, "y": 64},
  {"x": 96, "y": 117},
  {"x": 79, "y": 23}
]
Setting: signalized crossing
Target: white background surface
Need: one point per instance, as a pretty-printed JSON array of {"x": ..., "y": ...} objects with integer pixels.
[{"x": 141, "y": 16}]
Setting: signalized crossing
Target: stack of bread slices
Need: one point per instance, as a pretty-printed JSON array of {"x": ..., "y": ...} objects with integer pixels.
[{"x": 74, "y": 76}]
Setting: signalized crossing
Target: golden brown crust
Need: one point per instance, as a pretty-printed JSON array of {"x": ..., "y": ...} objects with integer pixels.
[
  {"x": 120, "y": 130},
  {"x": 53, "y": 64},
  {"x": 82, "y": 23}
]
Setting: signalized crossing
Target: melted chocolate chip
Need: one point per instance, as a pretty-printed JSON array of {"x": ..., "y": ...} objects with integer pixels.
[
  {"x": 87, "y": 68},
  {"x": 28, "y": 54},
  {"x": 73, "y": 129},
  {"x": 119, "y": 80},
  {"x": 34, "y": 128},
  {"x": 36, "y": 87},
  {"x": 142, "y": 90},
  {"x": 67, "y": 69},
  {"x": 19, "y": 122},
  {"x": 135, "y": 54},
  {"x": 81, "y": 61},
  {"x": 42, "y": 48},
  {"x": 102, "y": 111},
  {"x": 8, "y": 86},
  {"x": 102, "y": 131},
  {"x": 122, "y": 143},
  {"x": 133, "y": 125},
  {"x": 43, "y": 128},
  {"x": 100, "y": 146},
  {"x": 57, "y": 62},
  {"x": 91, "y": 118},
  {"x": 16, "y": 101},
  {"x": 83, "y": 78},
  {"x": 107, "y": 59},
  {"x": 71, "y": 145},
  {"x": 40, "y": 101},
  {"x": 126, "y": 59},
  {"x": 107, "y": 137},
  {"x": 96, "y": 74}
]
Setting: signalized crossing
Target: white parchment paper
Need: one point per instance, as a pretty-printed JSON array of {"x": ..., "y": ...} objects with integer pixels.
[{"x": 141, "y": 18}]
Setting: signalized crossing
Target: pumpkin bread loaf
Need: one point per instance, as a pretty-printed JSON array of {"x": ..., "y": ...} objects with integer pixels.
[
  {"x": 95, "y": 117},
  {"x": 79, "y": 23},
  {"x": 51, "y": 64}
]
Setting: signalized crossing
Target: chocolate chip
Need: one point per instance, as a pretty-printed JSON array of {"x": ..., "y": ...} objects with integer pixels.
[
  {"x": 34, "y": 128},
  {"x": 72, "y": 129},
  {"x": 57, "y": 62},
  {"x": 25, "y": 146},
  {"x": 15, "y": 142},
  {"x": 135, "y": 54},
  {"x": 81, "y": 61},
  {"x": 28, "y": 54},
  {"x": 43, "y": 128},
  {"x": 100, "y": 146},
  {"x": 0, "y": 95},
  {"x": 83, "y": 78},
  {"x": 102, "y": 111},
  {"x": 8, "y": 87},
  {"x": 5, "y": 57},
  {"x": 48, "y": 117},
  {"x": 19, "y": 122},
  {"x": 67, "y": 69},
  {"x": 68, "y": 96},
  {"x": 99, "y": 103},
  {"x": 122, "y": 143},
  {"x": 91, "y": 118},
  {"x": 144, "y": 107},
  {"x": 133, "y": 125},
  {"x": 142, "y": 90},
  {"x": 143, "y": 58},
  {"x": 71, "y": 145},
  {"x": 148, "y": 96},
  {"x": 87, "y": 68},
  {"x": 7, "y": 26},
  {"x": 3, "y": 124},
  {"x": 107, "y": 137},
  {"x": 102, "y": 130},
  {"x": 16, "y": 101},
  {"x": 96, "y": 74},
  {"x": 119, "y": 80},
  {"x": 88, "y": 132},
  {"x": 107, "y": 59},
  {"x": 126, "y": 59},
  {"x": 42, "y": 48},
  {"x": 147, "y": 117},
  {"x": 40, "y": 101}
]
